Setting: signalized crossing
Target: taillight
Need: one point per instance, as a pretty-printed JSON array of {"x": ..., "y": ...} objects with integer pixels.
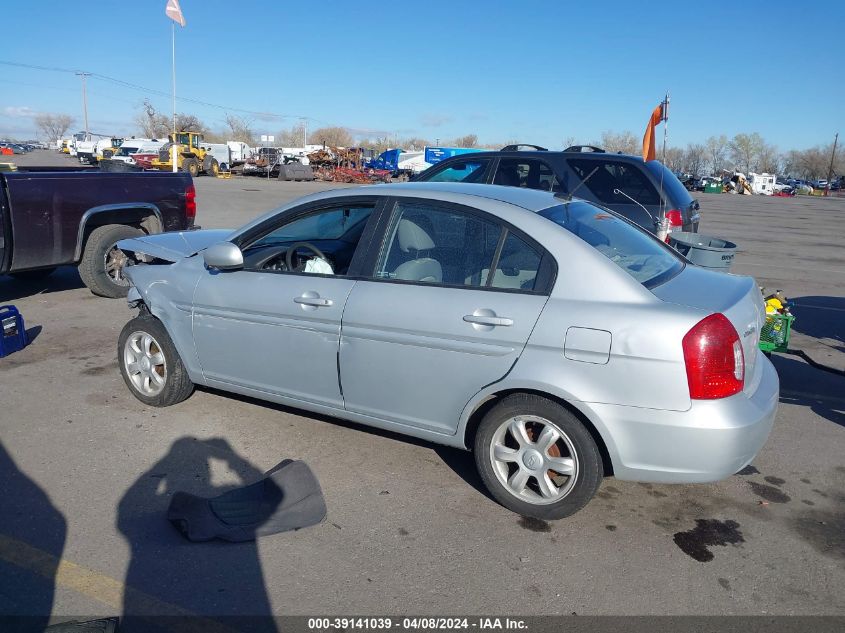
[
  {"x": 714, "y": 359},
  {"x": 675, "y": 220},
  {"x": 190, "y": 202}
]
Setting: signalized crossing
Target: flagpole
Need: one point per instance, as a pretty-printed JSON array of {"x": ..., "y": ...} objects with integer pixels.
[{"x": 173, "y": 76}]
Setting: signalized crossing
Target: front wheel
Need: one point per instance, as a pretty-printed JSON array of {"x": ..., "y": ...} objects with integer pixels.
[
  {"x": 537, "y": 458},
  {"x": 150, "y": 365}
]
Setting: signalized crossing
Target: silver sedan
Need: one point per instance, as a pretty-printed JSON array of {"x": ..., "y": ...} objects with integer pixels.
[{"x": 553, "y": 338}]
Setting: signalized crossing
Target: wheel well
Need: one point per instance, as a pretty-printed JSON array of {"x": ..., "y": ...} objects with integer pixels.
[
  {"x": 491, "y": 401},
  {"x": 143, "y": 219}
]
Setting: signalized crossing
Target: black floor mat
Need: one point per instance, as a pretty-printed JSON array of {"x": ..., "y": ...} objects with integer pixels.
[
  {"x": 104, "y": 625},
  {"x": 288, "y": 498}
]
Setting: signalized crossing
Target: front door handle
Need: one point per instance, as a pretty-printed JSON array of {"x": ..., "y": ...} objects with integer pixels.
[
  {"x": 488, "y": 320},
  {"x": 313, "y": 301}
]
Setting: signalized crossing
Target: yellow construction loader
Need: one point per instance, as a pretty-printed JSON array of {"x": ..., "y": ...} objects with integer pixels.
[{"x": 190, "y": 155}]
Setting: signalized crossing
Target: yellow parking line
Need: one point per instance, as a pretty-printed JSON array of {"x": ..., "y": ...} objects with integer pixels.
[{"x": 103, "y": 588}]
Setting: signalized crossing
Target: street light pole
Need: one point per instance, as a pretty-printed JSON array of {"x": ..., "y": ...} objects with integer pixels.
[
  {"x": 830, "y": 169},
  {"x": 84, "y": 100}
]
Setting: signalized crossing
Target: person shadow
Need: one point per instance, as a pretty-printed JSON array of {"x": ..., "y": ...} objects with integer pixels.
[
  {"x": 32, "y": 540},
  {"x": 170, "y": 578}
]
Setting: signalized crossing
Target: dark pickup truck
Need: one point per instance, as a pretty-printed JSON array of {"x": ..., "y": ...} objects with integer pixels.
[{"x": 54, "y": 217}]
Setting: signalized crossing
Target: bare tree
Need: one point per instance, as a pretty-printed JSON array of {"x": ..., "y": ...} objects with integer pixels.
[
  {"x": 716, "y": 148},
  {"x": 240, "y": 129},
  {"x": 189, "y": 123},
  {"x": 769, "y": 160},
  {"x": 623, "y": 142},
  {"x": 745, "y": 151},
  {"x": 695, "y": 159},
  {"x": 469, "y": 140},
  {"x": 674, "y": 159},
  {"x": 292, "y": 137},
  {"x": 152, "y": 123},
  {"x": 333, "y": 136},
  {"x": 53, "y": 126},
  {"x": 569, "y": 141},
  {"x": 414, "y": 143}
]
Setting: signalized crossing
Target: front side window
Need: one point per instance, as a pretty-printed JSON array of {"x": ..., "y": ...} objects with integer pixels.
[
  {"x": 462, "y": 171},
  {"x": 609, "y": 179},
  {"x": 527, "y": 173},
  {"x": 431, "y": 244},
  {"x": 635, "y": 251},
  {"x": 320, "y": 242}
]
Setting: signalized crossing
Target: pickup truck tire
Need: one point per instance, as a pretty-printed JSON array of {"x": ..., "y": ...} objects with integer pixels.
[
  {"x": 97, "y": 266},
  {"x": 150, "y": 364},
  {"x": 33, "y": 275}
]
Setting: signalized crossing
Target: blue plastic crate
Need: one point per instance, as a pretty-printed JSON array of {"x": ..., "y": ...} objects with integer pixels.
[{"x": 12, "y": 331}]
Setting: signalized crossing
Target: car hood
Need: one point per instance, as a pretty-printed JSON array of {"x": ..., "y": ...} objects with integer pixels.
[{"x": 174, "y": 246}]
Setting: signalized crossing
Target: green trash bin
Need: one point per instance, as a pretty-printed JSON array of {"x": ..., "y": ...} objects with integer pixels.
[
  {"x": 703, "y": 250},
  {"x": 712, "y": 187}
]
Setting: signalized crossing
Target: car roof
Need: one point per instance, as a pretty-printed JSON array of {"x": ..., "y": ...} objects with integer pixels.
[
  {"x": 529, "y": 199},
  {"x": 542, "y": 154}
]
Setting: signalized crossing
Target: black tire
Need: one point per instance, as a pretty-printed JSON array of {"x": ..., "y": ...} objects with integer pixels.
[
  {"x": 191, "y": 166},
  {"x": 575, "y": 490},
  {"x": 33, "y": 275},
  {"x": 92, "y": 268},
  {"x": 177, "y": 385},
  {"x": 210, "y": 167}
]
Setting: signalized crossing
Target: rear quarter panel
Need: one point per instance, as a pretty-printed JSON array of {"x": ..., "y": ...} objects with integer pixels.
[{"x": 46, "y": 209}]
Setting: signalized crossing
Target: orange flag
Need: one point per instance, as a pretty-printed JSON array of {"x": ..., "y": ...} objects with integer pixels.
[
  {"x": 648, "y": 137},
  {"x": 174, "y": 12}
]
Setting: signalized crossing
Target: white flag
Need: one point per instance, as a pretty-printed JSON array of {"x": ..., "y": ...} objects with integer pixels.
[{"x": 174, "y": 12}]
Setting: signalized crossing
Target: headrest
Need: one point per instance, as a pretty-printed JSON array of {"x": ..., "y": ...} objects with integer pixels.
[{"x": 412, "y": 237}]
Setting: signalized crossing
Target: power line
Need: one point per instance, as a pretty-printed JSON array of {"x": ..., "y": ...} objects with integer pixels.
[{"x": 145, "y": 89}]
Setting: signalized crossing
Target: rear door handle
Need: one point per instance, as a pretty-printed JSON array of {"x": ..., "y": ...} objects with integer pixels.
[
  {"x": 488, "y": 320},
  {"x": 313, "y": 301}
]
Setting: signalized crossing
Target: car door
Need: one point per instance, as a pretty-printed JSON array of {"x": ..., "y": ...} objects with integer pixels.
[
  {"x": 448, "y": 308},
  {"x": 272, "y": 330}
]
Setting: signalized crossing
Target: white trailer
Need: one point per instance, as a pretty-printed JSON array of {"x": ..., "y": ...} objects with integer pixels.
[{"x": 762, "y": 184}]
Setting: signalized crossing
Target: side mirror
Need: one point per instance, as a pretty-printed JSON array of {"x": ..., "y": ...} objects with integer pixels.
[{"x": 223, "y": 256}]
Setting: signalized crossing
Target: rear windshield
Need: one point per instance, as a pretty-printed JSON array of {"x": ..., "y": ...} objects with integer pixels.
[
  {"x": 676, "y": 193},
  {"x": 634, "y": 250}
]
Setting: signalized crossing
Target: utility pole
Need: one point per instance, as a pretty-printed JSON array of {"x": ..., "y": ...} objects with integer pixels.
[
  {"x": 830, "y": 169},
  {"x": 304, "y": 132},
  {"x": 84, "y": 100}
]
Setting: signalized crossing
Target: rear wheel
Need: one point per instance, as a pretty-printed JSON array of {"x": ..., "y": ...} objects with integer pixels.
[
  {"x": 536, "y": 458},
  {"x": 211, "y": 167},
  {"x": 150, "y": 365},
  {"x": 102, "y": 262}
]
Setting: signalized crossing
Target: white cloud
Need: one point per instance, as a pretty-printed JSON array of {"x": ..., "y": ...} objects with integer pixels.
[
  {"x": 435, "y": 120},
  {"x": 19, "y": 112}
]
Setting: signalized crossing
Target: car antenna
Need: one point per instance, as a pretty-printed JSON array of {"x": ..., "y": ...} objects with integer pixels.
[
  {"x": 569, "y": 195},
  {"x": 620, "y": 192}
]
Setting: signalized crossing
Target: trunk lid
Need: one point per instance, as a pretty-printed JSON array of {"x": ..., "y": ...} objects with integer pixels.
[{"x": 737, "y": 297}]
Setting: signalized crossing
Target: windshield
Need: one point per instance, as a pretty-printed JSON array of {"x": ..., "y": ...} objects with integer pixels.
[
  {"x": 635, "y": 251},
  {"x": 677, "y": 194}
]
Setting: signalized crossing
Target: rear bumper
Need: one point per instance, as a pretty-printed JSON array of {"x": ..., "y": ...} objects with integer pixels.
[{"x": 711, "y": 441}]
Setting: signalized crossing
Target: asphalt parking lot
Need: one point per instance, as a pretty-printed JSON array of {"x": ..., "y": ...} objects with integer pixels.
[{"x": 409, "y": 529}]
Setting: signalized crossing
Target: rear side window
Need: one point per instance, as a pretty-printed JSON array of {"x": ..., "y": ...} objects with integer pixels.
[
  {"x": 634, "y": 250},
  {"x": 461, "y": 171},
  {"x": 612, "y": 175},
  {"x": 526, "y": 172}
]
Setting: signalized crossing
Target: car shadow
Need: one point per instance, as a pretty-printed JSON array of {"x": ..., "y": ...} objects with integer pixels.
[
  {"x": 32, "y": 540},
  {"x": 65, "y": 278},
  {"x": 215, "y": 579},
  {"x": 804, "y": 385},
  {"x": 820, "y": 317},
  {"x": 461, "y": 462}
]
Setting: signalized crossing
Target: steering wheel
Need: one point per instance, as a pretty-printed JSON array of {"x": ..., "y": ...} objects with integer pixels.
[{"x": 301, "y": 265}]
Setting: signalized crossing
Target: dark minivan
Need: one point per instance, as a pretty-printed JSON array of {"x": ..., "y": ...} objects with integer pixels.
[{"x": 637, "y": 190}]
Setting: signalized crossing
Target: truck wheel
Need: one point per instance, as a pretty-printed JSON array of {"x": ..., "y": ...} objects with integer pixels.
[
  {"x": 210, "y": 167},
  {"x": 102, "y": 262},
  {"x": 191, "y": 166},
  {"x": 150, "y": 365},
  {"x": 33, "y": 275}
]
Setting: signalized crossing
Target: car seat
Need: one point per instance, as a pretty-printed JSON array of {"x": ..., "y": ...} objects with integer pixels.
[{"x": 416, "y": 241}]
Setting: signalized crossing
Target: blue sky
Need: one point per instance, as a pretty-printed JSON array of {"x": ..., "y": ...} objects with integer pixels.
[{"x": 535, "y": 71}]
